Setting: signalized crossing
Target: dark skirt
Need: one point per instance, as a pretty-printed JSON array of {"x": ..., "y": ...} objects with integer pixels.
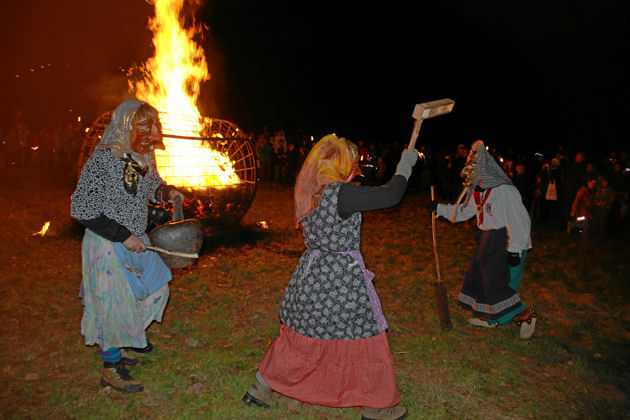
[{"x": 486, "y": 291}]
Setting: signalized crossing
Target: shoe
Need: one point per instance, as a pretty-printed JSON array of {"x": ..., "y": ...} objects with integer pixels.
[
  {"x": 116, "y": 376},
  {"x": 128, "y": 359},
  {"x": 147, "y": 349},
  {"x": 396, "y": 412},
  {"x": 481, "y": 322},
  {"x": 259, "y": 395},
  {"x": 527, "y": 321}
]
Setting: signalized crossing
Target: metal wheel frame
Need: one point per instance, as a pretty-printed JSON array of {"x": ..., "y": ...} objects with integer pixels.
[{"x": 221, "y": 135}]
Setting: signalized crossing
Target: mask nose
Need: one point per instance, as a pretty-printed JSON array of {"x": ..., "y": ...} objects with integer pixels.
[{"x": 156, "y": 138}]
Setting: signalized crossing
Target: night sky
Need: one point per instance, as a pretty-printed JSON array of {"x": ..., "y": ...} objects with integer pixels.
[{"x": 531, "y": 74}]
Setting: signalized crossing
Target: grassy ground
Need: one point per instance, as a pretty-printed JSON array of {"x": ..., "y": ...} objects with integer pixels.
[{"x": 222, "y": 316}]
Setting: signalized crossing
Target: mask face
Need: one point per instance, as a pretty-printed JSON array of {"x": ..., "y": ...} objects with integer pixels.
[
  {"x": 148, "y": 136},
  {"x": 468, "y": 172}
]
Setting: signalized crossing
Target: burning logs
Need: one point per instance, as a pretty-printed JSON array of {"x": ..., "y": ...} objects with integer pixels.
[{"x": 218, "y": 205}]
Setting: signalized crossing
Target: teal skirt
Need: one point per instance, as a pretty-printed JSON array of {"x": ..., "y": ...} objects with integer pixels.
[{"x": 112, "y": 316}]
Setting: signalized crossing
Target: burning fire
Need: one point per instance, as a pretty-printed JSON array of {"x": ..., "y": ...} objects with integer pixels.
[
  {"x": 44, "y": 229},
  {"x": 171, "y": 83}
]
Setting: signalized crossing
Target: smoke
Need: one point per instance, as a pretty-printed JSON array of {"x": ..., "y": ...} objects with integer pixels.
[{"x": 108, "y": 91}]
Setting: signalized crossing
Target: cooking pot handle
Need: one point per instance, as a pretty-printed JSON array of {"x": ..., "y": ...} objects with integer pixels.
[{"x": 178, "y": 211}]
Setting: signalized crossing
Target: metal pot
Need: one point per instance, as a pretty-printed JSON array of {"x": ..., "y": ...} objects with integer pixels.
[{"x": 179, "y": 235}]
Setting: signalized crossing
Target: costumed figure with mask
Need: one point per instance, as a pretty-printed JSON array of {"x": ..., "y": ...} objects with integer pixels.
[
  {"x": 332, "y": 349},
  {"x": 490, "y": 289},
  {"x": 125, "y": 286}
]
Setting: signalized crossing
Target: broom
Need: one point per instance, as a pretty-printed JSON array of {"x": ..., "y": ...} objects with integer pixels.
[
  {"x": 422, "y": 112},
  {"x": 440, "y": 291}
]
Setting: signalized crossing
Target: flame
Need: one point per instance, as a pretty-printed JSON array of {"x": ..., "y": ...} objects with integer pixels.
[
  {"x": 44, "y": 229},
  {"x": 172, "y": 79},
  {"x": 263, "y": 225}
]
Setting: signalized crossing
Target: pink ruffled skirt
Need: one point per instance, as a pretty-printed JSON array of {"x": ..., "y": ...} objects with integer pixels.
[{"x": 335, "y": 373}]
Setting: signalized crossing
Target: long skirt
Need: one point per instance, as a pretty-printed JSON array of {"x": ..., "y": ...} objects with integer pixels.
[
  {"x": 486, "y": 290},
  {"x": 335, "y": 373},
  {"x": 112, "y": 316}
]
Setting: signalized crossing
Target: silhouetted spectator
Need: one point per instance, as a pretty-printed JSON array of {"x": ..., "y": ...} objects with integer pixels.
[
  {"x": 582, "y": 208},
  {"x": 573, "y": 180},
  {"x": 604, "y": 198}
]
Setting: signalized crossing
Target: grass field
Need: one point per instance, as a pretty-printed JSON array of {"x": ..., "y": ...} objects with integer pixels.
[{"x": 222, "y": 316}]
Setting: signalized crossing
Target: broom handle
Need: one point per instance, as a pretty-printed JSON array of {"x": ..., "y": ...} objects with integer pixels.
[
  {"x": 174, "y": 253},
  {"x": 414, "y": 134},
  {"x": 435, "y": 252}
]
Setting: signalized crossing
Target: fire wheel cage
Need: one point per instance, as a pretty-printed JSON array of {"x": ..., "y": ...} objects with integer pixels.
[{"x": 212, "y": 205}]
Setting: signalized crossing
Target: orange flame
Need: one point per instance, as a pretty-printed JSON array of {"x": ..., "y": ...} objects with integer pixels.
[
  {"x": 44, "y": 229},
  {"x": 172, "y": 84}
]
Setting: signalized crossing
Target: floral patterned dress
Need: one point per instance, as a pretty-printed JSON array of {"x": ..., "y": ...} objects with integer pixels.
[{"x": 332, "y": 349}]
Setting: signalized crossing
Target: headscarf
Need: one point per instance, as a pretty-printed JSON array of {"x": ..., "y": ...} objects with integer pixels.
[
  {"x": 330, "y": 160},
  {"x": 116, "y": 135},
  {"x": 480, "y": 170}
]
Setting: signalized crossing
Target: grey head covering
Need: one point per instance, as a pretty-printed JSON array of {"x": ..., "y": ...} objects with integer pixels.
[
  {"x": 116, "y": 135},
  {"x": 487, "y": 173},
  {"x": 482, "y": 171}
]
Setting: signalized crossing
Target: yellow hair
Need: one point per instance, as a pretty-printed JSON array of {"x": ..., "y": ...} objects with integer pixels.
[{"x": 330, "y": 160}]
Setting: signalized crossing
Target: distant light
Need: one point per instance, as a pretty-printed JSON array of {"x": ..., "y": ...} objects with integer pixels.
[
  {"x": 34, "y": 147},
  {"x": 79, "y": 118},
  {"x": 17, "y": 76}
]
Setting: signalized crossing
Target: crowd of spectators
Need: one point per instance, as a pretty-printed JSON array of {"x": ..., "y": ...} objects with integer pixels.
[
  {"x": 576, "y": 192},
  {"x": 34, "y": 152},
  {"x": 280, "y": 156},
  {"x": 572, "y": 191}
]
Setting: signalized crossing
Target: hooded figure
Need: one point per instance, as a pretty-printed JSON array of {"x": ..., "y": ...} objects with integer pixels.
[
  {"x": 490, "y": 289},
  {"x": 333, "y": 349},
  {"x": 124, "y": 287}
]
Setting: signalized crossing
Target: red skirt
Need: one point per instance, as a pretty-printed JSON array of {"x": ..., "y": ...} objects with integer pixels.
[{"x": 335, "y": 373}]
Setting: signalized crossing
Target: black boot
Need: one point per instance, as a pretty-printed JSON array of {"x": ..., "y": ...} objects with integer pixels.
[{"x": 147, "y": 349}]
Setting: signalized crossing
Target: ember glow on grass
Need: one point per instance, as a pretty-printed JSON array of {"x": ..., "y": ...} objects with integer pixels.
[{"x": 43, "y": 230}]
